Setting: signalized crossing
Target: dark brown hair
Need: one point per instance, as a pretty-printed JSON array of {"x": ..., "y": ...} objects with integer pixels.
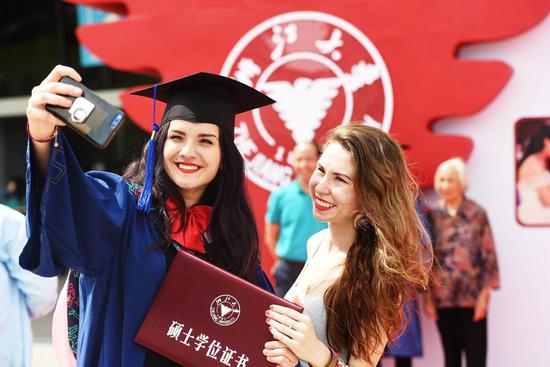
[{"x": 232, "y": 227}]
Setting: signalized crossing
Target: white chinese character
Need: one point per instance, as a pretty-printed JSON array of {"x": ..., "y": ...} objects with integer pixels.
[
  {"x": 187, "y": 337},
  {"x": 331, "y": 45},
  {"x": 247, "y": 69},
  {"x": 281, "y": 36},
  {"x": 279, "y": 154},
  {"x": 213, "y": 349},
  {"x": 200, "y": 341},
  {"x": 241, "y": 362},
  {"x": 227, "y": 355},
  {"x": 175, "y": 330},
  {"x": 242, "y": 140}
]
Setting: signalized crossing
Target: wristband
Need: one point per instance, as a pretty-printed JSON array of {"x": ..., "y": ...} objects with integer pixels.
[
  {"x": 335, "y": 361},
  {"x": 334, "y": 358},
  {"x": 54, "y": 136}
]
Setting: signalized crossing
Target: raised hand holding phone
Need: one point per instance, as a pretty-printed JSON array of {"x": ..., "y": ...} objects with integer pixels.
[{"x": 89, "y": 115}]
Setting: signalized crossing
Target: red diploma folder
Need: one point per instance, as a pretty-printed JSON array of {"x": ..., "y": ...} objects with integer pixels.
[{"x": 203, "y": 316}]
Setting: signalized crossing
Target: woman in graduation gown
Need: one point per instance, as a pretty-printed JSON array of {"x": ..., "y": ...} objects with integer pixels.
[{"x": 121, "y": 233}]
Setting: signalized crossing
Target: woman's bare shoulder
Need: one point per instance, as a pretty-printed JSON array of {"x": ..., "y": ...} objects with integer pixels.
[
  {"x": 530, "y": 169},
  {"x": 315, "y": 241}
]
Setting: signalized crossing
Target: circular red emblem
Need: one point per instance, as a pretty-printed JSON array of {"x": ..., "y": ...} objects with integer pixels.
[{"x": 321, "y": 70}]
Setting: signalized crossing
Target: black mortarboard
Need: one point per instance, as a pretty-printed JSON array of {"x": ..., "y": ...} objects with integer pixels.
[
  {"x": 200, "y": 97},
  {"x": 205, "y": 97}
]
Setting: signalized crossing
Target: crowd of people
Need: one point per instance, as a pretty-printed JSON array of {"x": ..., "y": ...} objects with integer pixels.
[{"x": 354, "y": 210}]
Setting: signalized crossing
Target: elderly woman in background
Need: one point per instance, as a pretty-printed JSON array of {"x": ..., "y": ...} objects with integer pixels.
[{"x": 468, "y": 268}]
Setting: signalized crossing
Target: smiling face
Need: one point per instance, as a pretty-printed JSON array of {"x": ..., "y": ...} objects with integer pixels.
[
  {"x": 192, "y": 157},
  {"x": 332, "y": 186}
]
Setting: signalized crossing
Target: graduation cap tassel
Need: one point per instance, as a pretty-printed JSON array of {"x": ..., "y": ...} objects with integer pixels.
[{"x": 144, "y": 202}]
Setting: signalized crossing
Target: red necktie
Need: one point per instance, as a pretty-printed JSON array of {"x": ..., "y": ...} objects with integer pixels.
[{"x": 196, "y": 221}]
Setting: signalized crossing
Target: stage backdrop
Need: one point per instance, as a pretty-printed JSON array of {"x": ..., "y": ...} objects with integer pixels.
[{"x": 399, "y": 65}]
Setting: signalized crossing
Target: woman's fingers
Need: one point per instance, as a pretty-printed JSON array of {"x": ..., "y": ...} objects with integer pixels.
[
  {"x": 288, "y": 317},
  {"x": 283, "y": 319},
  {"x": 35, "y": 114},
  {"x": 59, "y": 72},
  {"x": 57, "y": 88},
  {"x": 278, "y": 335},
  {"x": 41, "y": 122},
  {"x": 274, "y": 344},
  {"x": 287, "y": 312},
  {"x": 283, "y": 328},
  {"x": 41, "y": 99},
  {"x": 281, "y": 361},
  {"x": 276, "y": 352}
]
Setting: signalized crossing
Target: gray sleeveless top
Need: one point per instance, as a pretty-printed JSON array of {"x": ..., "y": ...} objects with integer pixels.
[{"x": 315, "y": 309}]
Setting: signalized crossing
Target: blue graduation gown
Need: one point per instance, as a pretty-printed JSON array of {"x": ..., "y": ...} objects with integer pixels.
[
  {"x": 89, "y": 222},
  {"x": 409, "y": 344}
]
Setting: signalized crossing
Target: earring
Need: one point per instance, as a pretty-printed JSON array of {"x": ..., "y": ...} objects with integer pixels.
[{"x": 361, "y": 222}]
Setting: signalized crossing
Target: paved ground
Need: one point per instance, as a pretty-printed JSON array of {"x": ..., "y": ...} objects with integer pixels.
[{"x": 42, "y": 351}]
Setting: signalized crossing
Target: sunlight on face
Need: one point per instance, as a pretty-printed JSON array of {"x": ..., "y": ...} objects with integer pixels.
[
  {"x": 332, "y": 186},
  {"x": 192, "y": 157}
]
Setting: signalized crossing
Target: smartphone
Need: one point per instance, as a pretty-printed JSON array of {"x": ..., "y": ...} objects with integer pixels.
[{"x": 90, "y": 116}]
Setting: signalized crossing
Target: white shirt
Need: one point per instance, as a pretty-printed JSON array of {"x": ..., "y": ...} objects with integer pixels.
[{"x": 23, "y": 295}]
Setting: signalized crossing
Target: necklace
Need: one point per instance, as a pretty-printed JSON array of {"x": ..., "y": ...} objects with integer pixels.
[{"x": 313, "y": 281}]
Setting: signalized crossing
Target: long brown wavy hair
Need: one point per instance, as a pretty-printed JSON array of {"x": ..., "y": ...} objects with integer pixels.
[{"x": 392, "y": 255}]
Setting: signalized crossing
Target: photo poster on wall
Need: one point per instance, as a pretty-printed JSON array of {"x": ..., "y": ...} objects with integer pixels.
[{"x": 532, "y": 155}]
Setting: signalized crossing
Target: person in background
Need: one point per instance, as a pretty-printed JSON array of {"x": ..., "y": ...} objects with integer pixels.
[
  {"x": 365, "y": 266},
  {"x": 289, "y": 219},
  {"x": 14, "y": 194},
  {"x": 23, "y": 295},
  {"x": 468, "y": 269}
]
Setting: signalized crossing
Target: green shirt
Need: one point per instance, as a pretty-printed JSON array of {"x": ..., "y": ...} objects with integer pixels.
[{"x": 292, "y": 209}]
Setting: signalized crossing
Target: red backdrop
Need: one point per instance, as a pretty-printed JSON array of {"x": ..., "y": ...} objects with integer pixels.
[{"x": 392, "y": 63}]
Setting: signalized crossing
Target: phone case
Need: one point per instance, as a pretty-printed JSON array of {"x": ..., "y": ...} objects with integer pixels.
[{"x": 90, "y": 116}]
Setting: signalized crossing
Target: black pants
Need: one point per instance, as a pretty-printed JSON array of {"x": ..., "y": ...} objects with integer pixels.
[
  {"x": 285, "y": 275},
  {"x": 459, "y": 333}
]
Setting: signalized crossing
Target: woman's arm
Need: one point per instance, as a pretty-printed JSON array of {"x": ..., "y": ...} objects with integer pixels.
[
  {"x": 42, "y": 123},
  {"x": 482, "y": 305},
  {"x": 75, "y": 219},
  {"x": 38, "y": 293},
  {"x": 271, "y": 236},
  {"x": 489, "y": 276}
]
